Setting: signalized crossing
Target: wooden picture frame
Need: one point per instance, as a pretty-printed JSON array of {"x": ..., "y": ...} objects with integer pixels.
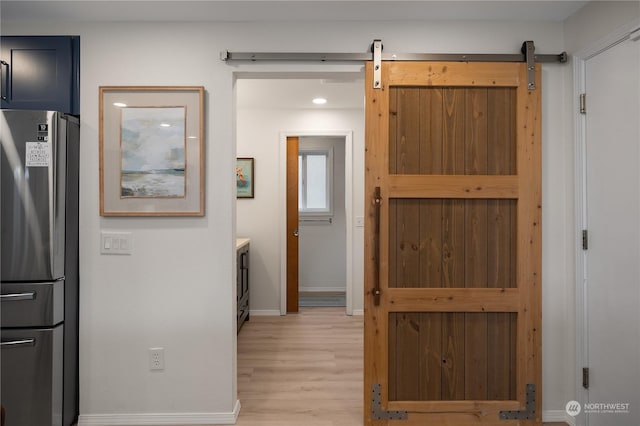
[
  {"x": 245, "y": 178},
  {"x": 152, "y": 150}
]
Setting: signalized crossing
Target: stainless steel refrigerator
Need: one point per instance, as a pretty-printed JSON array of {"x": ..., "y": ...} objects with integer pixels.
[{"x": 39, "y": 268}]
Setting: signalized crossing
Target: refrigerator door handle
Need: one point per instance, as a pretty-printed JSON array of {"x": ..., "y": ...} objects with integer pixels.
[
  {"x": 18, "y": 343},
  {"x": 4, "y": 80},
  {"x": 17, "y": 296}
]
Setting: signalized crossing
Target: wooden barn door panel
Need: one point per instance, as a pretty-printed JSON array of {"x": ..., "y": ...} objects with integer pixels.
[{"x": 453, "y": 246}]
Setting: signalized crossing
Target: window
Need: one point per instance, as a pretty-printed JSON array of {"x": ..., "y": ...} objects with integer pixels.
[{"x": 315, "y": 180}]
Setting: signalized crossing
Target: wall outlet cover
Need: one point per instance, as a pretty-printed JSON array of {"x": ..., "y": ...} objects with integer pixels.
[{"x": 156, "y": 359}]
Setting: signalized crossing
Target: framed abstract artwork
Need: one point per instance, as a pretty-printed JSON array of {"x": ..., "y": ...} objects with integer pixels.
[
  {"x": 245, "y": 181},
  {"x": 151, "y": 151}
]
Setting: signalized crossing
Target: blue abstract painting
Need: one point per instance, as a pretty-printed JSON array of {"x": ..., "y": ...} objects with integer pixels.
[{"x": 153, "y": 152}]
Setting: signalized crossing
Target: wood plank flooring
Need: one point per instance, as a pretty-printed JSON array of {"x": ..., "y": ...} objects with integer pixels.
[{"x": 302, "y": 369}]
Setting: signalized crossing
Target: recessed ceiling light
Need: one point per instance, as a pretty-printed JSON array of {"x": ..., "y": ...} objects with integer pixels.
[
  {"x": 319, "y": 101},
  {"x": 119, "y": 104},
  {"x": 165, "y": 125}
]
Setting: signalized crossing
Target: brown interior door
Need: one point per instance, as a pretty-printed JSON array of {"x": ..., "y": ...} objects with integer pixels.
[
  {"x": 292, "y": 223},
  {"x": 453, "y": 245}
]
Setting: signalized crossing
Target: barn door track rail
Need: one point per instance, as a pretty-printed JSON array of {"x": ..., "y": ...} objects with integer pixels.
[{"x": 527, "y": 54}]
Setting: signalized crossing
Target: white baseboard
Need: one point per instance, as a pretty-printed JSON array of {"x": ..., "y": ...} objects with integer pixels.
[
  {"x": 312, "y": 289},
  {"x": 236, "y": 411},
  {"x": 359, "y": 312},
  {"x": 177, "y": 419},
  {"x": 558, "y": 416},
  {"x": 264, "y": 312},
  {"x": 158, "y": 419}
]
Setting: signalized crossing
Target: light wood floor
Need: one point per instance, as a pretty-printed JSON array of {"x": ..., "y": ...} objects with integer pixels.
[{"x": 302, "y": 370}]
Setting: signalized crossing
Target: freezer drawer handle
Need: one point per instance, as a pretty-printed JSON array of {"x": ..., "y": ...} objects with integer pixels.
[
  {"x": 18, "y": 343},
  {"x": 17, "y": 296}
]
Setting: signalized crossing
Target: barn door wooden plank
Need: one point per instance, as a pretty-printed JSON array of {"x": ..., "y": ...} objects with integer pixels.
[
  {"x": 453, "y": 327},
  {"x": 430, "y": 374},
  {"x": 500, "y": 347},
  {"x": 501, "y": 242},
  {"x": 529, "y": 243},
  {"x": 431, "y": 128},
  {"x": 453, "y": 360},
  {"x": 405, "y": 327},
  {"x": 475, "y": 112},
  {"x": 453, "y": 134}
]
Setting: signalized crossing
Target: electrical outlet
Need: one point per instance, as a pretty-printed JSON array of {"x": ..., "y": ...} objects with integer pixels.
[{"x": 156, "y": 358}]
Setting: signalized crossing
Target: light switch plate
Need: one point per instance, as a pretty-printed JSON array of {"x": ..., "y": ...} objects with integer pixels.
[{"x": 116, "y": 243}]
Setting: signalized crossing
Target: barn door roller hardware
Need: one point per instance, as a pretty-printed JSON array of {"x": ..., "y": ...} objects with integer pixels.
[{"x": 527, "y": 54}]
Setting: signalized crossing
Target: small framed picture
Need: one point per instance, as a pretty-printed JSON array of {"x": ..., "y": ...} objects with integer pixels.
[
  {"x": 152, "y": 151},
  {"x": 244, "y": 178}
]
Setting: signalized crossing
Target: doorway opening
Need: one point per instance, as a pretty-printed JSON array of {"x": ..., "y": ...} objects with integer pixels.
[
  {"x": 268, "y": 109},
  {"x": 318, "y": 248},
  {"x": 321, "y": 222},
  {"x": 321, "y": 344}
]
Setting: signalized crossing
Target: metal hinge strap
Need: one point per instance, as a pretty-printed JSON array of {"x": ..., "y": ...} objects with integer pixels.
[
  {"x": 377, "y": 63},
  {"x": 529, "y": 51},
  {"x": 377, "y": 413},
  {"x": 585, "y": 377},
  {"x": 583, "y": 103},
  {"x": 530, "y": 407}
]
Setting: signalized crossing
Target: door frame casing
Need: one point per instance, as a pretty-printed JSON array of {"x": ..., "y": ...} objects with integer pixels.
[
  {"x": 580, "y": 201},
  {"x": 282, "y": 203}
]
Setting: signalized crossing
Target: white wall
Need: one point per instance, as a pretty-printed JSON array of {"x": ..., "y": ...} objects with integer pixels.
[
  {"x": 588, "y": 29},
  {"x": 596, "y": 21},
  {"x": 177, "y": 290},
  {"x": 323, "y": 245}
]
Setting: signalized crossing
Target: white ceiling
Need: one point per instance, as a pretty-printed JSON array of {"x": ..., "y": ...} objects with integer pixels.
[
  {"x": 301, "y": 10},
  {"x": 344, "y": 92}
]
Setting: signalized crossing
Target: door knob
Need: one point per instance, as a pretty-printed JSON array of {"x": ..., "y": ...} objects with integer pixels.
[{"x": 295, "y": 232}]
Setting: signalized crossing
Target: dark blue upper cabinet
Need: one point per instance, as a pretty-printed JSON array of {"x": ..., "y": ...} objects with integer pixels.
[{"x": 40, "y": 72}]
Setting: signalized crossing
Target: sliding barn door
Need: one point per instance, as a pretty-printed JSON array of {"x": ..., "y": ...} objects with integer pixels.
[{"x": 453, "y": 245}]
